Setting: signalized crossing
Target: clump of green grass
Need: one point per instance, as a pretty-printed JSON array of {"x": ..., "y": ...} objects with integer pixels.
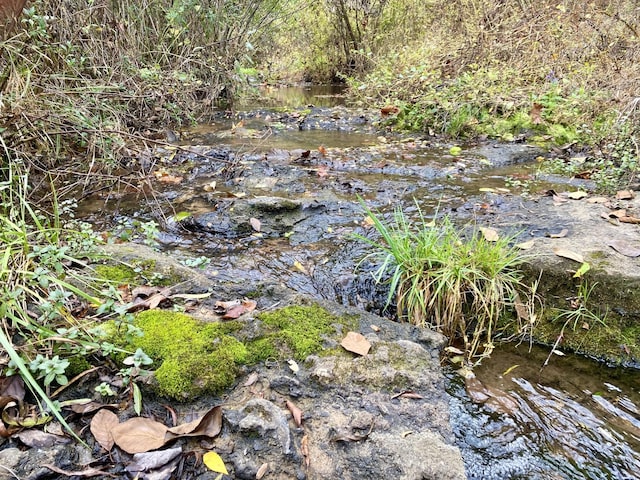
[{"x": 460, "y": 284}]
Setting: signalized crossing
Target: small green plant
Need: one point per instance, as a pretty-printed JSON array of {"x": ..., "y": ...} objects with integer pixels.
[
  {"x": 460, "y": 284},
  {"x": 105, "y": 390},
  {"x": 579, "y": 315},
  {"x": 50, "y": 369},
  {"x": 200, "y": 262}
]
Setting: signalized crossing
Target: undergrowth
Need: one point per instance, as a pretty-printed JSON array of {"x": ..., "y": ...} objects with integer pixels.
[
  {"x": 49, "y": 300},
  {"x": 87, "y": 88}
]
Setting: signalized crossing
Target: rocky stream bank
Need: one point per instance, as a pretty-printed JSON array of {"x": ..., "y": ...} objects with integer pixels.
[{"x": 270, "y": 205}]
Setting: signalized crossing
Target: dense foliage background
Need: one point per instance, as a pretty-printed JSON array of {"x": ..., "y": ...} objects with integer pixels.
[{"x": 82, "y": 82}]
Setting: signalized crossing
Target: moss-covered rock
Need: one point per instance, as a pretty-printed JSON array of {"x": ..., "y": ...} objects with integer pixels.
[
  {"x": 302, "y": 329},
  {"x": 120, "y": 273},
  {"x": 193, "y": 357}
]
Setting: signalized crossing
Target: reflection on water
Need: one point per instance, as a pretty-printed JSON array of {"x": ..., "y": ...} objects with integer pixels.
[
  {"x": 299, "y": 96},
  {"x": 575, "y": 419}
]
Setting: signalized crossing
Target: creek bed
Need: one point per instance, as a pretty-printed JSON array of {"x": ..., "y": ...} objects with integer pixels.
[{"x": 575, "y": 419}]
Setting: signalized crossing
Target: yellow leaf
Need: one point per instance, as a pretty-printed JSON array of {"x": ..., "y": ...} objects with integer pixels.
[
  {"x": 509, "y": 370},
  {"x": 584, "y": 268},
  {"x": 298, "y": 266},
  {"x": 214, "y": 463}
]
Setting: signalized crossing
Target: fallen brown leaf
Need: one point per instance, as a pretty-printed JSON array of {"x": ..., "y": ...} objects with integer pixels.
[
  {"x": 356, "y": 343},
  {"x": 536, "y": 113},
  {"x": 255, "y": 224},
  {"x": 633, "y": 220},
  {"x": 561, "y": 234},
  {"x": 625, "y": 195},
  {"x": 389, "y": 110},
  {"x": 208, "y": 425},
  {"x": 87, "y": 472},
  {"x": 171, "y": 179},
  {"x": 304, "y": 449},
  {"x": 249, "y": 305},
  {"x": 407, "y": 394},
  {"x": 576, "y": 257},
  {"x": 295, "y": 412},
  {"x": 39, "y": 439},
  {"x": 624, "y": 248},
  {"x": 489, "y": 234},
  {"x": 88, "y": 406},
  {"x": 234, "y": 312},
  {"x": 12, "y": 386},
  {"x": 264, "y": 468},
  {"x": 138, "y": 435},
  {"x": 525, "y": 245},
  {"x": 143, "y": 462},
  {"x": 101, "y": 425},
  {"x": 577, "y": 195}
]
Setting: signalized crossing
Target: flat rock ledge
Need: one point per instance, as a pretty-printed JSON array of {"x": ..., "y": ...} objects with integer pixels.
[
  {"x": 381, "y": 415},
  {"x": 355, "y": 422}
]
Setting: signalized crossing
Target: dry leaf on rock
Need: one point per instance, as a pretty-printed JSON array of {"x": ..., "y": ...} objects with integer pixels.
[
  {"x": 40, "y": 439},
  {"x": 525, "y": 245},
  {"x": 577, "y": 195},
  {"x": 295, "y": 412},
  {"x": 625, "y": 195},
  {"x": 86, "y": 405},
  {"x": 264, "y": 468},
  {"x": 633, "y": 220},
  {"x": 255, "y": 224},
  {"x": 87, "y": 472},
  {"x": 561, "y": 234},
  {"x": 356, "y": 343},
  {"x": 489, "y": 234},
  {"x": 143, "y": 462},
  {"x": 101, "y": 425},
  {"x": 576, "y": 257},
  {"x": 234, "y": 312},
  {"x": 298, "y": 266},
  {"x": 249, "y": 305},
  {"x": 139, "y": 435},
  {"x": 597, "y": 200},
  {"x": 304, "y": 449},
  {"x": 147, "y": 298},
  {"x": 251, "y": 379},
  {"x": 208, "y": 426},
  {"x": 408, "y": 394},
  {"x": 624, "y": 248}
]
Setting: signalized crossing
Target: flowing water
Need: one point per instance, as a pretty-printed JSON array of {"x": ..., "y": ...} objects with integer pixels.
[{"x": 574, "y": 419}]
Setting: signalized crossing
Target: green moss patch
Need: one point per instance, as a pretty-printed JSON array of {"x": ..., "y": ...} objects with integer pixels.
[
  {"x": 120, "y": 274},
  {"x": 193, "y": 357},
  {"x": 301, "y": 329}
]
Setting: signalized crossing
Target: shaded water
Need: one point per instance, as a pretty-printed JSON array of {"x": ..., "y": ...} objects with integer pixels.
[{"x": 576, "y": 419}]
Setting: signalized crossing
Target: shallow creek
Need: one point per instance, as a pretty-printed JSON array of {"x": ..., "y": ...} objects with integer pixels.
[{"x": 574, "y": 419}]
